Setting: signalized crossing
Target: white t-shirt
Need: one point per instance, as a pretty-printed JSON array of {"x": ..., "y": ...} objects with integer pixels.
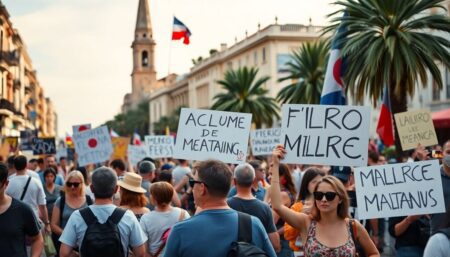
[
  {"x": 130, "y": 230},
  {"x": 438, "y": 246},
  {"x": 30, "y": 173},
  {"x": 34, "y": 195},
  {"x": 155, "y": 223},
  {"x": 178, "y": 173}
]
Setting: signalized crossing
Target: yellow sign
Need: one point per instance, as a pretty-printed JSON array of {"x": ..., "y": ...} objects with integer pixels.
[
  {"x": 120, "y": 146},
  {"x": 414, "y": 128}
]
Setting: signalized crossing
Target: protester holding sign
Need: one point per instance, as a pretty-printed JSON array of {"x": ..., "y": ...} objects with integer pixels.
[
  {"x": 328, "y": 220},
  {"x": 411, "y": 234}
]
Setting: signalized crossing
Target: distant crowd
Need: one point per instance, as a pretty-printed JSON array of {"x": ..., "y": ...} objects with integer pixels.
[{"x": 169, "y": 207}]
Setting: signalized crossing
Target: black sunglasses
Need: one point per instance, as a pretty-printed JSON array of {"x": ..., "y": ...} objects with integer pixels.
[
  {"x": 192, "y": 182},
  {"x": 74, "y": 184},
  {"x": 318, "y": 196}
]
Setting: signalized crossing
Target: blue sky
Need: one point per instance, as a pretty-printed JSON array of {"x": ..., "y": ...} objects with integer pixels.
[{"x": 81, "y": 48}]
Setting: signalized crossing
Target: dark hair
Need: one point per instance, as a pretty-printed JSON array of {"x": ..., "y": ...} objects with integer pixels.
[
  {"x": 40, "y": 161},
  {"x": 52, "y": 171},
  {"x": 84, "y": 172},
  {"x": 181, "y": 161},
  {"x": 217, "y": 176},
  {"x": 104, "y": 182},
  {"x": 308, "y": 176},
  {"x": 165, "y": 176},
  {"x": 20, "y": 162},
  {"x": 284, "y": 171},
  {"x": 118, "y": 164},
  {"x": 10, "y": 161},
  {"x": 255, "y": 164},
  {"x": 62, "y": 158},
  {"x": 3, "y": 173},
  {"x": 374, "y": 156},
  {"x": 32, "y": 160}
]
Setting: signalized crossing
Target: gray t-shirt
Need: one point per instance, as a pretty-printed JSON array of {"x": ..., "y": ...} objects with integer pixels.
[
  {"x": 256, "y": 208},
  {"x": 179, "y": 172},
  {"x": 51, "y": 198},
  {"x": 155, "y": 223},
  {"x": 130, "y": 230},
  {"x": 66, "y": 212}
]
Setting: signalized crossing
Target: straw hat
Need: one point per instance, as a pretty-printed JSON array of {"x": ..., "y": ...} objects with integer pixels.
[{"x": 132, "y": 181}]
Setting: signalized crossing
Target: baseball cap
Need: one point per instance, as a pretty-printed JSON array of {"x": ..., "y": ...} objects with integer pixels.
[
  {"x": 341, "y": 172},
  {"x": 146, "y": 167}
]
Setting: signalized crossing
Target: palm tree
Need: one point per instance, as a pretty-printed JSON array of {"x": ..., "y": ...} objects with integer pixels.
[
  {"x": 244, "y": 94},
  {"x": 307, "y": 71},
  {"x": 392, "y": 43}
]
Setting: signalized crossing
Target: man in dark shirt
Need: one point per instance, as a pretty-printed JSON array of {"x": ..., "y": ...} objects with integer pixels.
[
  {"x": 244, "y": 201},
  {"x": 17, "y": 220}
]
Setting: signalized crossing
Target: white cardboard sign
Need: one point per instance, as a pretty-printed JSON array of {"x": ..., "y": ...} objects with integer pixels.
[
  {"x": 399, "y": 190},
  {"x": 207, "y": 134},
  {"x": 325, "y": 134},
  {"x": 136, "y": 153},
  {"x": 159, "y": 146},
  {"x": 93, "y": 146},
  {"x": 265, "y": 140}
]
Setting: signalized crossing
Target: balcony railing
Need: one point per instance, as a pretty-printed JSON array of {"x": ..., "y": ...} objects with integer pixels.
[{"x": 11, "y": 58}]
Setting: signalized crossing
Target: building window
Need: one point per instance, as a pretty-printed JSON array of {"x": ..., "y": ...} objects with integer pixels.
[
  {"x": 447, "y": 82},
  {"x": 144, "y": 59},
  {"x": 229, "y": 65},
  {"x": 436, "y": 94},
  {"x": 144, "y": 35},
  {"x": 264, "y": 55}
]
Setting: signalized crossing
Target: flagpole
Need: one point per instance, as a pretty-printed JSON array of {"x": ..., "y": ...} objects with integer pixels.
[{"x": 170, "y": 49}]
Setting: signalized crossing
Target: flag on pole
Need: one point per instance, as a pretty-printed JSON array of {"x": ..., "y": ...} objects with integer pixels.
[
  {"x": 333, "y": 91},
  {"x": 180, "y": 31},
  {"x": 113, "y": 133},
  {"x": 69, "y": 142},
  {"x": 136, "y": 139},
  {"x": 385, "y": 127}
]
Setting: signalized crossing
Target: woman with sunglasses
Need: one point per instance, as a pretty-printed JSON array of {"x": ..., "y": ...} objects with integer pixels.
[
  {"x": 327, "y": 230},
  {"x": 73, "y": 198}
]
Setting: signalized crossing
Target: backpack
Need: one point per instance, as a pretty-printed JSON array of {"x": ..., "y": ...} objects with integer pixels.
[
  {"x": 243, "y": 246},
  {"x": 102, "y": 240}
]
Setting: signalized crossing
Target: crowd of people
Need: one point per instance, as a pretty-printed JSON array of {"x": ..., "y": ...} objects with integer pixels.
[{"x": 171, "y": 208}]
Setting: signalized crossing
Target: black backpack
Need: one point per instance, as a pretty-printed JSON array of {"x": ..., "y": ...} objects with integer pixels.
[
  {"x": 243, "y": 246},
  {"x": 102, "y": 240}
]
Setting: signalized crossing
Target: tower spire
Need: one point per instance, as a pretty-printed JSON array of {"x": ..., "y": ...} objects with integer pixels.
[{"x": 143, "y": 21}]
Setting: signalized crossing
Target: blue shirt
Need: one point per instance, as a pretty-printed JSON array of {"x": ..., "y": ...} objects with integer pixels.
[
  {"x": 210, "y": 234},
  {"x": 258, "y": 194},
  {"x": 59, "y": 179},
  {"x": 130, "y": 230}
]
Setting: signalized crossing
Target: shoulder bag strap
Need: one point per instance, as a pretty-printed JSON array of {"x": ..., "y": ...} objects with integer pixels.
[
  {"x": 244, "y": 227},
  {"x": 181, "y": 217},
  {"x": 88, "y": 216},
  {"x": 25, "y": 189},
  {"x": 62, "y": 203}
]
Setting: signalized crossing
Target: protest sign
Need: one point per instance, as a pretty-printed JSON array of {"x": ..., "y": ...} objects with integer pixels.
[
  {"x": 4, "y": 150},
  {"x": 79, "y": 128},
  {"x": 13, "y": 143},
  {"x": 325, "y": 134},
  {"x": 26, "y": 137},
  {"x": 206, "y": 134},
  {"x": 402, "y": 189},
  {"x": 414, "y": 128},
  {"x": 264, "y": 140},
  {"x": 136, "y": 153},
  {"x": 61, "y": 152},
  {"x": 93, "y": 146},
  {"x": 120, "y": 146},
  {"x": 159, "y": 146},
  {"x": 43, "y": 145}
]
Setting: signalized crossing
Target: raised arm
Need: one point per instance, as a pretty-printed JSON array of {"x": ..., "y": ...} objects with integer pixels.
[{"x": 295, "y": 219}]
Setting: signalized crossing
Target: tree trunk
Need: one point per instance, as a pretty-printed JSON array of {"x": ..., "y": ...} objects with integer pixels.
[{"x": 398, "y": 104}]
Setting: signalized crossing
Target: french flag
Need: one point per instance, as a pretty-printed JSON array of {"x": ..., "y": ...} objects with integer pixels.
[
  {"x": 180, "y": 31},
  {"x": 385, "y": 127},
  {"x": 333, "y": 92},
  {"x": 136, "y": 139}
]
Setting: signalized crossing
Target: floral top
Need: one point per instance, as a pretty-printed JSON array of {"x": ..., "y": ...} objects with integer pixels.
[{"x": 313, "y": 248}]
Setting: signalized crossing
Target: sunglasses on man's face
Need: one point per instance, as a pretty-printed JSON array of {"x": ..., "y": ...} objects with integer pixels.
[
  {"x": 192, "y": 182},
  {"x": 318, "y": 196},
  {"x": 73, "y": 184}
]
